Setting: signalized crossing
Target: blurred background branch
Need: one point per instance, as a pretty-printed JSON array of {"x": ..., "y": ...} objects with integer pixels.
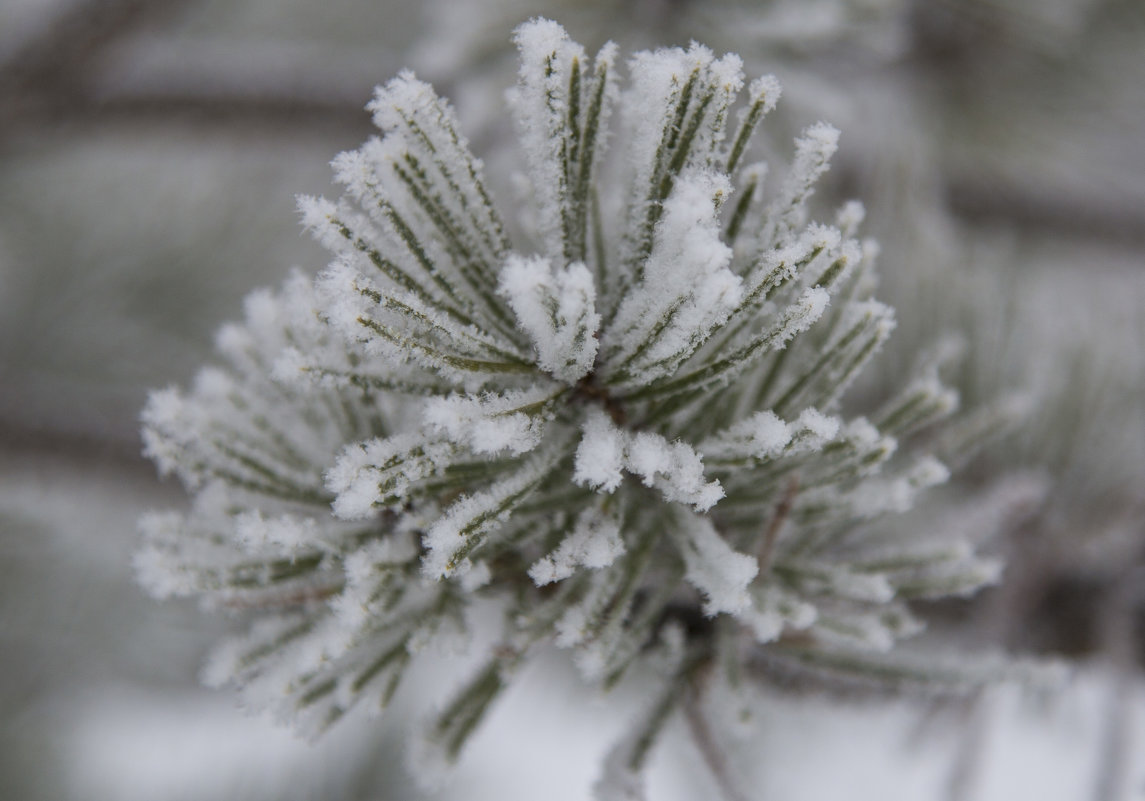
[{"x": 150, "y": 152}]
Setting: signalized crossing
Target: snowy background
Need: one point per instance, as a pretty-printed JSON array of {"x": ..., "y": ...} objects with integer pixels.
[{"x": 150, "y": 153}]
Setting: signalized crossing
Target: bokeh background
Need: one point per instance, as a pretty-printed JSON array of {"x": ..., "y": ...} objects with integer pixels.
[{"x": 150, "y": 152}]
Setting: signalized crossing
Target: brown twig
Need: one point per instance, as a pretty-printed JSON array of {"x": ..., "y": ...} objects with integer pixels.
[
  {"x": 993, "y": 202},
  {"x": 1118, "y": 640},
  {"x": 303, "y": 596},
  {"x": 771, "y": 533},
  {"x": 970, "y": 748},
  {"x": 706, "y": 744},
  {"x": 56, "y": 59}
]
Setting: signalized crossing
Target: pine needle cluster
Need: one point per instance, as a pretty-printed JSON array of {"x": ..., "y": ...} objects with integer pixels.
[{"x": 626, "y": 426}]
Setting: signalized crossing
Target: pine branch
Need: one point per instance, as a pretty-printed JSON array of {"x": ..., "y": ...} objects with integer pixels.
[{"x": 634, "y": 441}]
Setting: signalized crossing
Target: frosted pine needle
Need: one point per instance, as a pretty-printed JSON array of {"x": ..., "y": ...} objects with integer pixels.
[{"x": 627, "y": 429}]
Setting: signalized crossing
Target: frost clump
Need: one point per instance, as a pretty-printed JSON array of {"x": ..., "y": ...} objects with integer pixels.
[{"x": 628, "y": 430}]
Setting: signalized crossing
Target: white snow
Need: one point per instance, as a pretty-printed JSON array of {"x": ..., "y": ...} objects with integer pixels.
[
  {"x": 713, "y": 567},
  {"x": 540, "y": 103},
  {"x": 600, "y": 454},
  {"x": 489, "y": 423},
  {"x": 686, "y": 279},
  {"x": 674, "y": 468},
  {"x": 594, "y": 543},
  {"x": 557, "y": 310}
]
